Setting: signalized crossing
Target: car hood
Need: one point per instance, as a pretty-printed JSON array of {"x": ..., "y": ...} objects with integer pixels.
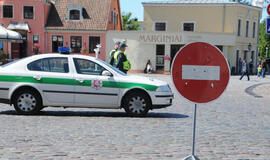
[{"x": 144, "y": 80}]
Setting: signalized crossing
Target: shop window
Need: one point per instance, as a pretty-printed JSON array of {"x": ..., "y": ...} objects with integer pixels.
[
  {"x": 76, "y": 44},
  {"x": 7, "y": 11},
  {"x": 1, "y": 46},
  {"x": 28, "y": 12},
  {"x": 160, "y": 52},
  {"x": 93, "y": 41},
  {"x": 57, "y": 41},
  {"x": 188, "y": 27},
  {"x": 254, "y": 30},
  {"x": 247, "y": 28},
  {"x": 160, "y": 26},
  {"x": 239, "y": 28},
  {"x": 220, "y": 48},
  {"x": 74, "y": 14}
]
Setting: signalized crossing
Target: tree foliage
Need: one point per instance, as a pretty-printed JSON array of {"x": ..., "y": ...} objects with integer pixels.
[
  {"x": 129, "y": 23},
  {"x": 264, "y": 42}
]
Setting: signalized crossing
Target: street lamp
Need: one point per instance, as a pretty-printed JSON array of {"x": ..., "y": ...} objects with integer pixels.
[{"x": 249, "y": 47}]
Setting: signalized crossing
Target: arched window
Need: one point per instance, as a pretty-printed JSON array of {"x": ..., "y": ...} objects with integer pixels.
[{"x": 74, "y": 15}]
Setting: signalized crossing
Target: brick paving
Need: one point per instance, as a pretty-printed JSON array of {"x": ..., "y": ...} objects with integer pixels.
[{"x": 234, "y": 127}]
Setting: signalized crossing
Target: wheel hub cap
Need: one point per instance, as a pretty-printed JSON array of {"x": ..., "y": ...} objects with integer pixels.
[
  {"x": 26, "y": 102},
  {"x": 137, "y": 104}
]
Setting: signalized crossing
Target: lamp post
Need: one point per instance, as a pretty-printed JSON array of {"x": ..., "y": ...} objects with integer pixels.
[
  {"x": 249, "y": 47},
  {"x": 266, "y": 53}
]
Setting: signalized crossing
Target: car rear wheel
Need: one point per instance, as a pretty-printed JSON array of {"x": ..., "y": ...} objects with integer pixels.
[
  {"x": 137, "y": 104},
  {"x": 27, "y": 102}
]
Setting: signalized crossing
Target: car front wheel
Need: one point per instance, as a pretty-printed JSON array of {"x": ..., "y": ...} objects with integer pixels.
[
  {"x": 27, "y": 102},
  {"x": 137, "y": 104}
]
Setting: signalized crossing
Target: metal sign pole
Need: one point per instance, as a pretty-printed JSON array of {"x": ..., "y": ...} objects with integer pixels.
[{"x": 192, "y": 156}]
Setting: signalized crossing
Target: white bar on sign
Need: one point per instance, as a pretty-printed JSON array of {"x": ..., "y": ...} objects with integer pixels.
[{"x": 197, "y": 72}]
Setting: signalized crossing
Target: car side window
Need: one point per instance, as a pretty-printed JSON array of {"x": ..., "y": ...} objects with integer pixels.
[
  {"x": 87, "y": 67},
  {"x": 55, "y": 64}
]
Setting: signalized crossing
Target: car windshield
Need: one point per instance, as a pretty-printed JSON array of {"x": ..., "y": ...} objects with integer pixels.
[
  {"x": 10, "y": 63},
  {"x": 113, "y": 68}
]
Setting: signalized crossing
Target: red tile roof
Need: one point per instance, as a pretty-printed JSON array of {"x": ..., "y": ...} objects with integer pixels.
[{"x": 96, "y": 13}]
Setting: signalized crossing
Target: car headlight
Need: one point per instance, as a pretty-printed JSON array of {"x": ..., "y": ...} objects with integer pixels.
[{"x": 164, "y": 88}]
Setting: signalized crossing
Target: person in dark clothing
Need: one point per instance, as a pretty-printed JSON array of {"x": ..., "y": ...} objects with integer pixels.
[
  {"x": 263, "y": 68},
  {"x": 245, "y": 70},
  {"x": 122, "y": 63},
  {"x": 112, "y": 53}
]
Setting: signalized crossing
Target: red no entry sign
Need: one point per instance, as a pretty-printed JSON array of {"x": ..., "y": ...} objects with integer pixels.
[{"x": 200, "y": 72}]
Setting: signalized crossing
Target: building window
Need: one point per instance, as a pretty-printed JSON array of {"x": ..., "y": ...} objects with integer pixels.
[
  {"x": 160, "y": 52},
  {"x": 245, "y": 55},
  {"x": 247, "y": 27},
  {"x": 239, "y": 28},
  {"x": 74, "y": 15},
  {"x": 188, "y": 27},
  {"x": 57, "y": 41},
  {"x": 160, "y": 26},
  {"x": 93, "y": 41},
  {"x": 7, "y": 11},
  {"x": 254, "y": 30},
  {"x": 35, "y": 39},
  {"x": 28, "y": 12},
  {"x": 76, "y": 44},
  {"x": 35, "y": 43}
]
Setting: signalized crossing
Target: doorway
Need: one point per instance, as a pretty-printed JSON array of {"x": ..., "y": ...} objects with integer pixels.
[
  {"x": 174, "y": 50},
  {"x": 19, "y": 50}
]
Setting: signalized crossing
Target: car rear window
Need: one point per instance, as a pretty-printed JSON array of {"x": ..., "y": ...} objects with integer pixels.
[
  {"x": 10, "y": 63},
  {"x": 54, "y": 64}
]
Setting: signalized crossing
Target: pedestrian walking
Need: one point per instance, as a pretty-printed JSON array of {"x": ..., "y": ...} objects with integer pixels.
[
  {"x": 259, "y": 70},
  {"x": 113, "y": 52},
  {"x": 148, "y": 67},
  {"x": 240, "y": 63},
  {"x": 263, "y": 68},
  {"x": 245, "y": 70},
  {"x": 120, "y": 58}
]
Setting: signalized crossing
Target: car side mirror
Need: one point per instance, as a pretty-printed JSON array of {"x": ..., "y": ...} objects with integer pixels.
[{"x": 106, "y": 73}]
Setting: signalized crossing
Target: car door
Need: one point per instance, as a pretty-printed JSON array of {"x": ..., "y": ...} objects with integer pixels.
[
  {"x": 52, "y": 76},
  {"x": 93, "y": 89}
]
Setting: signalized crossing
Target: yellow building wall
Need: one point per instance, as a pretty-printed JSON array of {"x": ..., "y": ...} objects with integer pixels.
[{"x": 203, "y": 17}]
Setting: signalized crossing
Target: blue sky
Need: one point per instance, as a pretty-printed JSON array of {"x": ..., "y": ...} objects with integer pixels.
[{"x": 136, "y": 8}]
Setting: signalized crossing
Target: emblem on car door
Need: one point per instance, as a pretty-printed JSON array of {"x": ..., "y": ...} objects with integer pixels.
[{"x": 97, "y": 84}]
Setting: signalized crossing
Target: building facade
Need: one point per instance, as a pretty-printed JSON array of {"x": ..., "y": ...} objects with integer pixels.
[
  {"x": 232, "y": 27},
  {"x": 48, "y": 24}
]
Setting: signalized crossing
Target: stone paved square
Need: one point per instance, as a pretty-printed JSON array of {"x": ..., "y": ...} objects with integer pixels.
[{"x": 234, "y": 127}]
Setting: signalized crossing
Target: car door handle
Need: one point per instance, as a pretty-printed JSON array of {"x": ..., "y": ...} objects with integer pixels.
[
  {"x": 79, "y": 80},
  {"x": 37, "y": 77}
]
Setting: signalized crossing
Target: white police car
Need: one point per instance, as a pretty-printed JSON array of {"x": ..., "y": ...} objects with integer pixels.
[{"x": 59, "y": 80}]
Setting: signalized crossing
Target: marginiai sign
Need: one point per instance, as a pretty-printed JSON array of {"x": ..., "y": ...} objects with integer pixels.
[{"x": 160, "y": 38}]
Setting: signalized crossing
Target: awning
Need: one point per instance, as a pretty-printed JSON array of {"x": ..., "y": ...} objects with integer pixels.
[
  {"x": 6, "y": 34},
  {"x": 18, "y": 26}
]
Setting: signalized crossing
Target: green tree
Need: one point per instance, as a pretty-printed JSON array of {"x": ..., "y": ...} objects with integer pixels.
[
  {"x": 129, "y": 23},
  {"x": 264, "y": 42}
]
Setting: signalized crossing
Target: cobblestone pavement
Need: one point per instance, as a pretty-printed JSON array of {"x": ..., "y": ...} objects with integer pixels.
[{"x": 234, "y": 127}]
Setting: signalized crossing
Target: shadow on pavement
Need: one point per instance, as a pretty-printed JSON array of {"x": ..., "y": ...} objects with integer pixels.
[{"x": 96, "y": 114}]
